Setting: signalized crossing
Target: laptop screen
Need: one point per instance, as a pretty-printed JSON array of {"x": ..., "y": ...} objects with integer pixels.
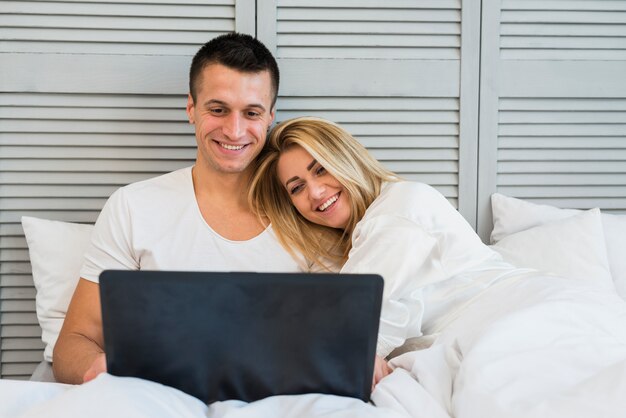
[{"x": 220, "y": 336}]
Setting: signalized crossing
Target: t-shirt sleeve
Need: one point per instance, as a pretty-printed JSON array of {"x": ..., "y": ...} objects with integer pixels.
[
  {"x": 110, "y": 247},
  {"x": 408, "y": 258}
]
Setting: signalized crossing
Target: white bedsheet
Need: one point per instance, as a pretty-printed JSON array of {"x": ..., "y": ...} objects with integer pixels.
[{"x": 535, "y": 346}]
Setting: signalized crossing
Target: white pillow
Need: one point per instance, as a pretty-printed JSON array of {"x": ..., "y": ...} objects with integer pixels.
[
  {"x": 615, "y": 235},
  {"x": 511, "y": 215},
  {"x": 572, "y": 247},
  {"x": 56, "y": 255}
]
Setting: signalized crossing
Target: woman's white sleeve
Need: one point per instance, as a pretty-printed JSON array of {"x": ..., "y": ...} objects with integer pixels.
[{"x": 408, "y": 258}]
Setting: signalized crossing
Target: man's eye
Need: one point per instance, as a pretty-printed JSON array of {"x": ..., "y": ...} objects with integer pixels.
[
  {"x": 216, "y": 111},
  {"x": 253, "y": 114}
]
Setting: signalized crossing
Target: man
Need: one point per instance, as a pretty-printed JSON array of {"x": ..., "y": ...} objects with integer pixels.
[{"x": 196, "y": 218}]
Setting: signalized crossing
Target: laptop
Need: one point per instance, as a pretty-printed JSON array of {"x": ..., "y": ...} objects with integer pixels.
[{"x": 246, "y": 336}]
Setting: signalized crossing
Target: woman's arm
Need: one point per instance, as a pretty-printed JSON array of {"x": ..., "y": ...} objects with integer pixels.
[{"x": 408, "y": 258}]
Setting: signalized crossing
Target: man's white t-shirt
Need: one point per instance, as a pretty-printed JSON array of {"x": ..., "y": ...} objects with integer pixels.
[{"x": 156, "y": 224}]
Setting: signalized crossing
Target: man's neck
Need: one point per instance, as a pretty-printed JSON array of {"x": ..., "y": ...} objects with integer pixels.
[
  {"x": 222, "y": 199},
  {"x": 224, "y": 188}
]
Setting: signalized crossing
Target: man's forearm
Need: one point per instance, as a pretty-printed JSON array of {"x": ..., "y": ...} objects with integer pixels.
[{"x": 73, "y": 356}]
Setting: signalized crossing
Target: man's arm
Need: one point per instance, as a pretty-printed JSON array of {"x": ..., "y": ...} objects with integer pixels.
[{"x": 80, "y": 346}]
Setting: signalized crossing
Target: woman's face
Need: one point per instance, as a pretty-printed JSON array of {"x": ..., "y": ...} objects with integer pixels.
[{"x": 316, "y": 194}]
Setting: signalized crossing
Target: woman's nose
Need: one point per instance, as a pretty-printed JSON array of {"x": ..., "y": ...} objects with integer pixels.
[{"x": 316, "y": 190}]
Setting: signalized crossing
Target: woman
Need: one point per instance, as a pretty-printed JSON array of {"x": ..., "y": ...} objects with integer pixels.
[{"x": 330, "y": 201}]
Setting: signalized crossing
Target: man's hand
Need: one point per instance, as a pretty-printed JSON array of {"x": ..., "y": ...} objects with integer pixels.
[
  {"x": 79, "y": 347},
  {"x": 381, "y": 369},
  {"x": 98, "y": 366}
]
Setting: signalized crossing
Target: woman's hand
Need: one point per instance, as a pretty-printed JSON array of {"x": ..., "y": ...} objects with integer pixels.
[{"x": 381, "y": 369}]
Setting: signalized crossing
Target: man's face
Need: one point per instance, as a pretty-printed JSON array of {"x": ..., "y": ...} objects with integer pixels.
[{"x": 232, "y": 113}]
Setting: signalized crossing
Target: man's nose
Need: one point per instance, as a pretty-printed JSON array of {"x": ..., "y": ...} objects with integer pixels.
[{"x": 234, "y": 126}]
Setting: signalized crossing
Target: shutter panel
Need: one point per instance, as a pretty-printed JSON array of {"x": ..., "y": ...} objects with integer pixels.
[
  {"x": 96, "y": 27},
  {"x": 92, "y": 97},
  {"x": 553, "y": 104},
  {"x": 390, "y": 73}
]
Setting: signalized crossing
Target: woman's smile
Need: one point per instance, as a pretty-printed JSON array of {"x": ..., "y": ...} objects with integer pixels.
[{"x": 328, "y": 205}]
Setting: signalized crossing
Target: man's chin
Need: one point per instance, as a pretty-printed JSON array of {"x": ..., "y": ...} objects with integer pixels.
[
  {"x": 222, "y": 166},
  {"x": 234, "y": 169}
]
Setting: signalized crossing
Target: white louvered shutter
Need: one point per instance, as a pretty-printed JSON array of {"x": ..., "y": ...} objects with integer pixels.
[
  {"x": 553, "y": 104},
  {"x": 390, "y": 71},
  {"x": 92, "y": 97}
]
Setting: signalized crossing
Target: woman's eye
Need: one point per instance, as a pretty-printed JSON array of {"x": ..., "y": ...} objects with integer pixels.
[
  {"x": 320, "y": 170},
  {"x": 295, "y": 189}
]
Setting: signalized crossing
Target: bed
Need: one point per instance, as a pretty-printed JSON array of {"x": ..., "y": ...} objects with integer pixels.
[{"x": 547, "y": 341}]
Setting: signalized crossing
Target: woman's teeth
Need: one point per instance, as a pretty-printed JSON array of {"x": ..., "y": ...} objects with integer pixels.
[{"x": 329, "y": 202}]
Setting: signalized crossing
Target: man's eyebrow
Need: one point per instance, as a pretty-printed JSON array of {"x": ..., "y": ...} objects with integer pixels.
[
  {"x": 258, "y": 105},
  {"x": 214, "y": 101},
  {"x": 222, "y": 103}
]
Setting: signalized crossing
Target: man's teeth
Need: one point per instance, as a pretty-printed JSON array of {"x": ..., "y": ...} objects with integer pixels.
[
  {"x": 231, "y": 147},
  {"x": 329, "y": 202}
]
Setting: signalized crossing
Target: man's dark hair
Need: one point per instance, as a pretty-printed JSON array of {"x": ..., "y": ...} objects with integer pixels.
[{"x": 237, "y": 51}]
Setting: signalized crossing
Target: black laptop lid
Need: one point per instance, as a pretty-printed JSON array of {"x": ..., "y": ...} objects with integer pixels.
[{"x": 220, "y": 336}]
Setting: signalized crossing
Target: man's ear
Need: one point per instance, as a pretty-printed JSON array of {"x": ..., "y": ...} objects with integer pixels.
[
  {"x": 190, "y": 108},
  {"x": 272, "y": 116}
]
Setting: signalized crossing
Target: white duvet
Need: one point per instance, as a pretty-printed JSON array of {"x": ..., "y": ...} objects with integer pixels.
[{"x": 533, "y": 346}]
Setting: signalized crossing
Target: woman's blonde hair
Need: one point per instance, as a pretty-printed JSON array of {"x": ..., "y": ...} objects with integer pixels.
[{"x": 344, "y": 158}]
